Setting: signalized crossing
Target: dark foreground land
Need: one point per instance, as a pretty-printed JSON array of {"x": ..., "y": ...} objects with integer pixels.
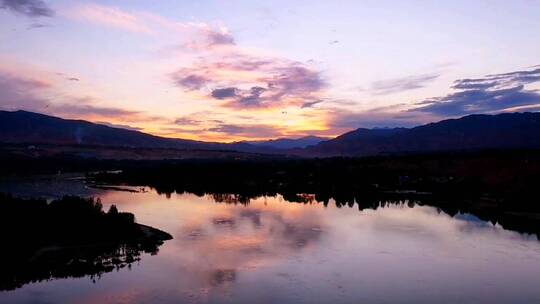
[
  {"x": 69, "y": 237},
  {"x": 498, "y": 186}
]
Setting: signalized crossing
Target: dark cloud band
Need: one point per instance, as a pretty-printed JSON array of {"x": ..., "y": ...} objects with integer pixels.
[
  {"x": 30, "y": 8},
  {"x": 492, "y": 93}
]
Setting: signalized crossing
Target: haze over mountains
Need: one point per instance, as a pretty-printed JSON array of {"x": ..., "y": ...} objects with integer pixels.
[{"x": 474, "y": 132}]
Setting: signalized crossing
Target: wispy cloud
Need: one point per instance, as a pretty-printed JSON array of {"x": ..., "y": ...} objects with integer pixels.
[
  {"x": 250, "y": 130},
  {"x": 396, "y": 85},
  {"x": 310, "y": 104},
  {"x": 37, "y": 26},
  {"x": 499, "y": 81},
  {"x": 29, "y": 8},
  {"x": 112, "y": 17},
  {"x": 186, "y": 121},
  {"x": 203, "y": 126},
  {"x": 121, "y": 126},
  {"x": 196, "y": 35},
  {"x": 86, "y": 107},
  {"x": 211, "y": 38},
  {"x": 489, "y": 94}
]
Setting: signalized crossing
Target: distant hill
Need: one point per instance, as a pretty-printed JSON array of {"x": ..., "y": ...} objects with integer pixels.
[
  {"x": 29, "y": 127},
  {"x": 288, "y": 143},
  {"x": 473, "y": 132}
]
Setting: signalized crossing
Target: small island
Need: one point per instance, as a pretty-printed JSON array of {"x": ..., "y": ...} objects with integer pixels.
[{"x": 68, "y": 237}]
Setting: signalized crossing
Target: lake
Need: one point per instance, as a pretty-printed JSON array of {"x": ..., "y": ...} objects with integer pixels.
[{"x": 269, "y": 250}]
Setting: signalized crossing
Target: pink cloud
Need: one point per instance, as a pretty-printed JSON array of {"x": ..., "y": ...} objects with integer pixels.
[
  {"x": 112, "y": 17},
  {"x": 198, "y": 35}
]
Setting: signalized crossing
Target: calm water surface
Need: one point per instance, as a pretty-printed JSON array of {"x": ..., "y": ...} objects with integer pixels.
[{"x": 273, "y": 251}]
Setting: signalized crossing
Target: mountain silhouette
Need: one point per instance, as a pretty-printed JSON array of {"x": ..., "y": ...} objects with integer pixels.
[
  {"x": 28, "y": 127},
  {"x": 23, "y": 127},
  {"x": 473, "y": 132}
]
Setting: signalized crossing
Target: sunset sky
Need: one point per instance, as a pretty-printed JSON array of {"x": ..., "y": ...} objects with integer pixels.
[{"x": 231, "y": 70}]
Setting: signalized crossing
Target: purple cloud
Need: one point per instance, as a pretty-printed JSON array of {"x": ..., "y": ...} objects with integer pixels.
[
  {"x": 267, "y": 82},
  {"x": 293, "y": 81},
  {"x": 224, "y": 93},
  {"x": 219, "y": 38},
  {"x": 29, "y": 8},
  {"x": 479, "y": 101},
  {"x": 296, "y": 80},
  {"x": 490, "y": 94},
  {"x": 190, "y": 82},
  {"x": 238, "y": 97}
]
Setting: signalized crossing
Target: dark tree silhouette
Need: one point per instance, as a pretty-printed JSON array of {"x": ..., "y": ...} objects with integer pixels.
[{"x": 69, "y": 237}]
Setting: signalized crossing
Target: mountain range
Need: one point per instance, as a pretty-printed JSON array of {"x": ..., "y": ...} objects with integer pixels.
[
  {"x": 30, "y": 127},
  {"x": 288, "y": 143},
  {"x": 20, "y": 127},
  {"x": 473, "y": 132}
]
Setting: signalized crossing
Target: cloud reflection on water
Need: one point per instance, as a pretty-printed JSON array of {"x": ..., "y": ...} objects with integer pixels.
[{"x": 269, "y": 250}]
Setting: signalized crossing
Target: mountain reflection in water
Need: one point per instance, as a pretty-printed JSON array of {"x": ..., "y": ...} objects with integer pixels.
[{"x": 236, "y": 249}]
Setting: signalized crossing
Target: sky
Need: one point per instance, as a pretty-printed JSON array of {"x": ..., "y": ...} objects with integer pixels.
[{"x": 228, "y": 70}]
